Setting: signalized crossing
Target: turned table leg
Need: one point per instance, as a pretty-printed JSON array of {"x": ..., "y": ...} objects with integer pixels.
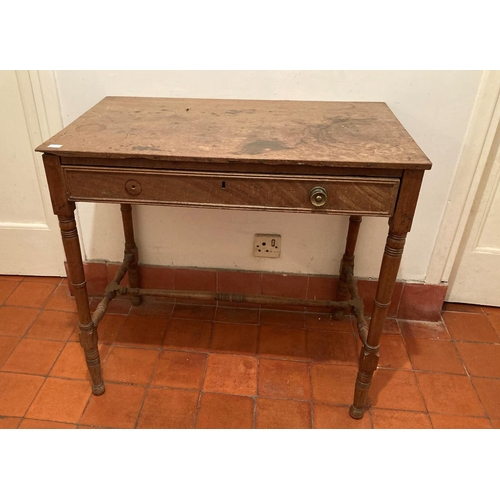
[
  {"x": 88, "y": 331},
  {"x": 347, "y": 262},
  {"x": 368, "y": 359},
  {"x": 131, "y": 249},
  {"x": 348, "y": 258},
  {"x": 399, "y": 226}
]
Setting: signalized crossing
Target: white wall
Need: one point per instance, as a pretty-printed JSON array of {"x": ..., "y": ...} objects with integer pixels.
[{"x": 434, "y": 106}]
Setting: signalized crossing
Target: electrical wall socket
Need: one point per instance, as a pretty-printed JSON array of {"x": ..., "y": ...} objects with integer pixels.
[{"x": 267, "y": 245}]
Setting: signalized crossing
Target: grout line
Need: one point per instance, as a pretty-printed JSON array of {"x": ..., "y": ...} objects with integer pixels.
[
  {"x": 257, "y": 356},
  {"x": 4, "y": 303},
  {"x": 10, "y": 353},
  {"x": 205, "y": 368},
  {"x": 148, "y": 385},
  {"x": 311, "y": 404},
  {"x": 257, "y": 378}
]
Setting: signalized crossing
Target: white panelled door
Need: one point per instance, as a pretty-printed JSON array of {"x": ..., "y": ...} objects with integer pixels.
[
  {"x": 29, "y": 235},
  {"x": 475, "y": 277}
]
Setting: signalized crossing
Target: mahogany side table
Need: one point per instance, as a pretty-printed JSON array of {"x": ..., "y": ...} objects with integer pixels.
[{"x": 344, "y": 158}]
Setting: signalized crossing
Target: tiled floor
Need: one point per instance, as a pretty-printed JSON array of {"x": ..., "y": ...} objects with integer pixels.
[{"x": 182, "y": 366}]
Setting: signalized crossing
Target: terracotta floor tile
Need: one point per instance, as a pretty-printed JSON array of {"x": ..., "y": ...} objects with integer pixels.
[
  {"x": 14, "y": 321},
  {"x": 156, "y": 277},
  {"x": 239, "y": 282},
  {"x": 17, "y": 392},
  {"x": 395, "y": 390},
  {"x": 29, "y": 294},
  {"x": 109, "y": 328},
  {"x": 282, "y": 285},
  {"x": 60, "y": 400},
  {"x": 142, "y": 331},
  {"x": 434, "y": 355},
  {"x": 326, "y": 322},
  {"x": 118, "y": 407},
  {"x": 153, "y": 306},
  {"x": 53, "y": 280},
  {"x": 7, "y": 345},
  {"x": 231, "y": 374},
  {"x": 191, "y": 335},
  {"x": 332, "y": 347},
  {"x": 394, "y": 419},
  {"x": 6, "y": 289},
  {"x": 481, "y": 360},
  {"x": 496, "y": 423},
  {"x": 391, "y": 326},
  {"x": 468, "y": 326},
  {"x": 284, "y": 379},
  {"x": 421, "y": 302},
  {"x": 489, "y": 310},
  {"x": 322, "y": 287},
  {"x": 61, "y": 300},
  {"x": 34, "y": 357},
  {"x": 71, "y": 362},
  {"x": 424, "y": 330},
  {"x": 393, "y": 353},
  {"x": 188, "y": 311},
  {"x": 459, "y": 422},
  {"x": 337, "y": 417},
  {"x": 235, "y": 338},
  {"x": 28, "y": 423},
  {"x": 168, "y": 409},
  {"x": 130, "y": 365},
  {"x": 494, "y": 320},
  {"x": 489, "y": 393},
  {"x": 282, "y": 342},
  {"x": 284, "y": 318},
  {"x": 450, "y": 394},
  {"x": 279, "y": 414},
  {"x": 456, "y": 307},
  {"x": 9, "y": 422},
  {"x": 183, "y": 370},
  {"x": 237, "y": 315},
  {"x": 11, "y": 277},
  {"x": 223, "y": 411},
  {"x": 195, "y": 279},
  {"x": 333, "y": 383},
  {"x": 53, "y": 325}
]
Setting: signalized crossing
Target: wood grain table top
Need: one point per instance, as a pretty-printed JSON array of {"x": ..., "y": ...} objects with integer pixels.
[{"x": 347, "y": 134}]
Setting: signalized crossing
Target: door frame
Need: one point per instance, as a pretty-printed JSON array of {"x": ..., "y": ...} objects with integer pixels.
[
  {"x": 483, "y": 126},
  {"x": 42, "y": 114}
]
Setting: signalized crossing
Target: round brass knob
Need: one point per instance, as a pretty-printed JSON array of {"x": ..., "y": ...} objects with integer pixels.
[
  {"x": 133, "y": 187},
  {"x": 318, "y": 196}
]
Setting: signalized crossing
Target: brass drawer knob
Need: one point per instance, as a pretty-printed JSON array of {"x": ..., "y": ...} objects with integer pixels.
[
  {"x": 318, "y": 196},
  {"x": 133, "y": 187}
]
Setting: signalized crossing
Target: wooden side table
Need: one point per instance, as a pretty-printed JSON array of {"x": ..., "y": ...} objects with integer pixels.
[{"x": 345, "y": 158}]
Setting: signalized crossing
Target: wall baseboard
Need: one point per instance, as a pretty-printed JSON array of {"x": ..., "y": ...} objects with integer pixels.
[{"x": 410, "y": 301}]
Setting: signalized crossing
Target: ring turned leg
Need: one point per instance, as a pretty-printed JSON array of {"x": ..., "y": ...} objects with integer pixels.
[
  {"x": 88, "y": 331},
  {"x": 131, "y": 249},
  {"x": 368, "y": 359},
  {"x": 347, "y": 261}
]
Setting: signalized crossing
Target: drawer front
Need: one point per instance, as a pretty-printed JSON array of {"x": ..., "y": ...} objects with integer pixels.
[{"x": 349, "y": 195}]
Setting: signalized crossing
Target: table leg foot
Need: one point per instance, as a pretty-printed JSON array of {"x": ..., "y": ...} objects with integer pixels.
[
  {"x": 136, "y": 301},
  {"x": 88, "y": 340},
  {"x": 356, "y": 413},
  {"x": 347, "y": 263},
  {"x": 98, "y": 390},
  {"x": 131, "y": 249}
]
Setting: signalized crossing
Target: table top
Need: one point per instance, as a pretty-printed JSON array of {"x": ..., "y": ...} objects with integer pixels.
[{"x": 323, "y": 133}]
